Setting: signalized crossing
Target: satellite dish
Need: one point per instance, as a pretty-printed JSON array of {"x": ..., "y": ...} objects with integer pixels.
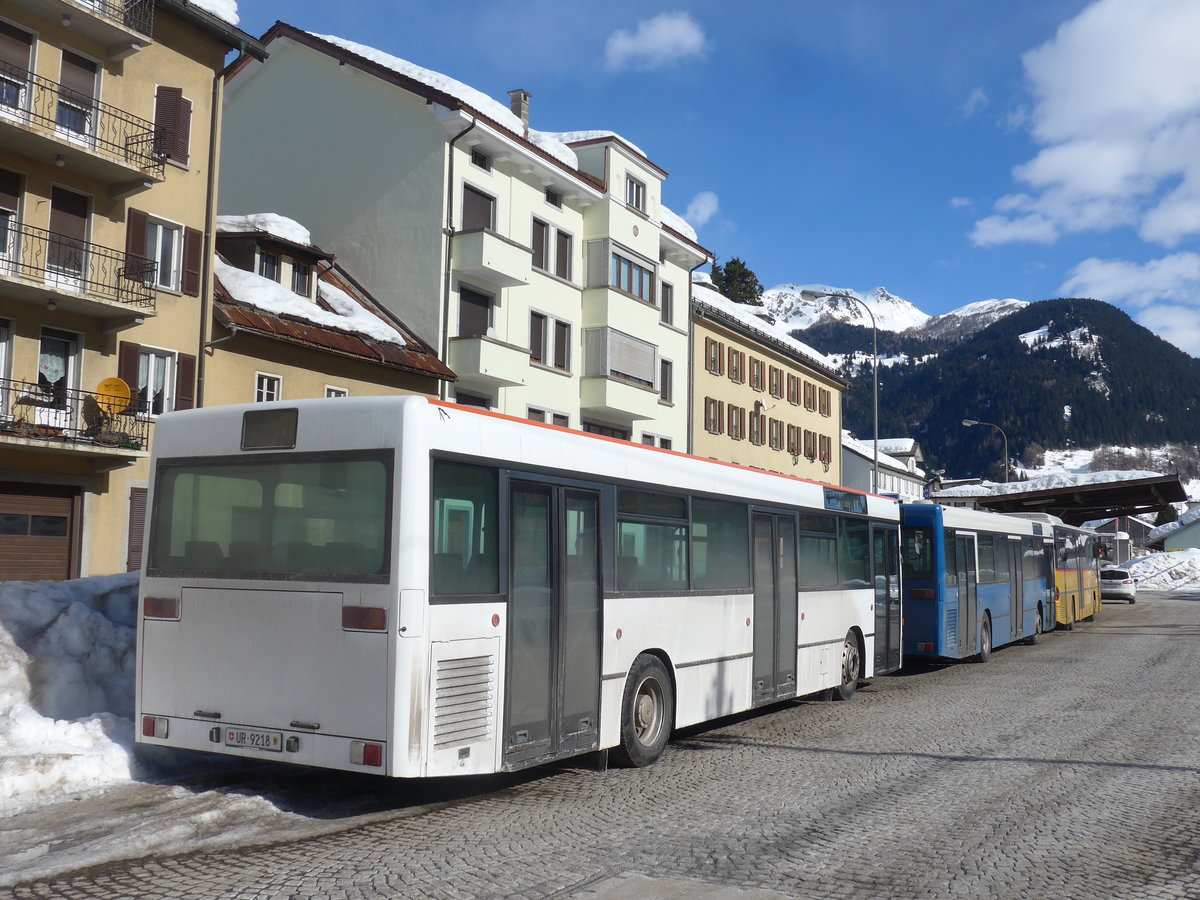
[{"x": 112, "y": 395}]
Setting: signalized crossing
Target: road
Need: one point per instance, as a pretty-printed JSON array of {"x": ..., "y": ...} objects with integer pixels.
[{"x": 1070, "y": 769}]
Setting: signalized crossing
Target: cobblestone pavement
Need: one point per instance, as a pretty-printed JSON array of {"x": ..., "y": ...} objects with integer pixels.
[{"x": 1070, "y": 769}]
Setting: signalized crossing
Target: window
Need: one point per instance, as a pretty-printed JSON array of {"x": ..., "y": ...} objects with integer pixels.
[
  {"x": 549, "y": 345},
  {"x": 987, "y": 558},
  {"x": 652, "y": 542},
  {"x": 562, "y": 254},
  {"x": 603, "y": 430},
  {"x": 818, "y": 548},
  {"x": 477, "y": 400},
  {"x": 810, "y": 396},
  {"x": 154, "y": 384},
  {"x": 633, "y": 279},
  {"x": 854, "y": 551},
  {"x": 776, "y": 381},
  {"x": 536, "y": 414},
  {"x": 825, "y": 454},
  {"x": 825, "y": 398},
  {"x": 541, "y": 245},
  {"x": 737, "y": 423},
  {"x": 614, "y": 354},
  {"x": 737, "y": 366},
  {"x": 481, "y": 159},
  {"x": 267, "y": 388},
  {"x": 336, "y": 392},
  {"x": 466, "y": 518},
  {"x": 162, "y": 248},
  {"x": 15, "y": 49},
  {"x": 720, "y": 545},
  {"x": 635, "y": 193},
  {"x": 714, "y": 415},
  {"x": 775, "y": 434},
  {"x": 77, "y": 95},
  {"x": 478, "y": 211},
  {"x": 793, "y": 390},
  {"x": 810, "y": 444},
  {"x": 551, "y": 249},
  {"x": 474, "y": 313},
  {"x": 714, "y": 353},
  {"x": 665, "y": 393},
  {"x": 268, "y": 265},
  {"x": 756, "y": 428},
  {"x": 666, "y": 302},
  {"x": 301, "y": 278},
  {"x": 554, "y": 198},
  {"x": 756, "y": 374},
  {"x": 793, "y": 440},
  {"x": 172, "y": 124}
]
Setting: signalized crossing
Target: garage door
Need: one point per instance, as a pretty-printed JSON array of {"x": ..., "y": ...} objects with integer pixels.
[{"x": 38, "y": 524}]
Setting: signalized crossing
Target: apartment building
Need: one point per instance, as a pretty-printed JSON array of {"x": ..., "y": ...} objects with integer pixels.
[
  {"x": 543, "y": 267},
  {"x": 108, "y": 149},
  {"x": 760, "y": 397}
]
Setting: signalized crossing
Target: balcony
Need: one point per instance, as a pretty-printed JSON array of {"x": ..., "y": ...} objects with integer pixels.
[
  {"x": 485, "y": 362},
  {"x": 123, "y": 26},
  {"x": 617, "y": 400},
  {"x": 486, "y": 256},
  {"x": 49, "y": 122},
  {"x": 81, "y": 423},
  {"x": 39, "y": 266}
]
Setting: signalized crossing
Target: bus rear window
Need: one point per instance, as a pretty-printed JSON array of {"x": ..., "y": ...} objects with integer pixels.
[
  {"x": 917, "y": 553},
  {"x": 319, "y": 518}
]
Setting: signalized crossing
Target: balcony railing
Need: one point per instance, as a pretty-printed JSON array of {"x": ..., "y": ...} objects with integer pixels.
[
  {"x": 79, "y": 120},
  {"x": 71, "y": 416},
  {"x": 69, "y": 265},
  {"x": 135, "y": 14}
]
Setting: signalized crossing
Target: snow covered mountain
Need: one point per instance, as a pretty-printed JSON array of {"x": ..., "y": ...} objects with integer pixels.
[{"x": 966, "y": 320}]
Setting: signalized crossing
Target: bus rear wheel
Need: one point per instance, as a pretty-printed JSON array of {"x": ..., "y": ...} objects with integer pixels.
[
  {"x": 851, "y": 668},
  {"x": 1036, "y": 637},
  {"x": 985, "y": 641},
  {"x": 647, "y": 713}
]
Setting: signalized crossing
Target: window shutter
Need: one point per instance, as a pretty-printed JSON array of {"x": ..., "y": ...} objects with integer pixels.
[
  {"x": 193, "y": 251},
  {"x": 183, "y": 131},
  {"x": 128, "y": 355},
  {"x": 10, "y": 189},
  {"x": 137, "y": 528},
  {"x": 167, "y": 101},
  {"x": 15, "y": 45},
  {"x": 185, "y": 381},
  {"x": 78, "y": 76},
  {"x": 135, "y": 246}
]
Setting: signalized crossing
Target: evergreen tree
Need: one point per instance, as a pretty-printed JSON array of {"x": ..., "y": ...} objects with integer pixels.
[
  {"x": 737, "y": 281},
  {"x": 1166, "y": 514}
]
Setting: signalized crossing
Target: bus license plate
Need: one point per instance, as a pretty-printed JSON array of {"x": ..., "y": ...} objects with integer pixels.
[{"x": 254, "y": 740}]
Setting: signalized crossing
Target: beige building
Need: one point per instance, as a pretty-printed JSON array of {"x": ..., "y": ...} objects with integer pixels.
[
  {"x": 760, "y": 398},
  {"x": 108, "y": 151}
]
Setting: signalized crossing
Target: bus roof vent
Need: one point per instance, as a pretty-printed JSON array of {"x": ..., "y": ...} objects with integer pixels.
[{"x": 269, "y": 429}]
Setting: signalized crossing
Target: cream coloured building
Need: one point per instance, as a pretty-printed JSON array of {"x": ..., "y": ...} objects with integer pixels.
[
  {"x": 761, "y": 398},
  {"x": 543, "y": 267},
  {"x": 108, "y": 150}
]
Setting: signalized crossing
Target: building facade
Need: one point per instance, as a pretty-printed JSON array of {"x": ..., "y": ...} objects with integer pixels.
[
  {"x": 108, "y": 148},
  {"x": 542, "y": 267},
  {"x": 760, "y": 398}
]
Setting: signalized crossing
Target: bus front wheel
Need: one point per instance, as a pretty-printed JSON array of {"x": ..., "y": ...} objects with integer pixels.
[{"x": 647, "y": 713}]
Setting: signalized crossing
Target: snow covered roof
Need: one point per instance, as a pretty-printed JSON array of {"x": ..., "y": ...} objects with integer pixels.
[
  {"x": 271, "y": 296},
  {"x": 707, "y": 296},
  {"x": 1161, "y": 531},
  {"x": 677, "y": 223},
  {"x": 897, "y": 445},
  {"x": 867, "y": 449},
  {"x": 578, "y": 137},
  {"x": 266, "y": 223},
  {"x": 226, "y": 10}
]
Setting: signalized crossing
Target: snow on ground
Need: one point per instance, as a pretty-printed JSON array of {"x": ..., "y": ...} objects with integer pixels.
[{"x": 1166, "y": 571}]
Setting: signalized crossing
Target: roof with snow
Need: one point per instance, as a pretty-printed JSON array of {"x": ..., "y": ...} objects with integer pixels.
[
  {"x": 1078, "y": 498},
  {"x": 345, "y": 318},
  {"x": 743, "y": 318},
  {"x": 866, "y": 449},
  {"x": 218, "y": 17}
]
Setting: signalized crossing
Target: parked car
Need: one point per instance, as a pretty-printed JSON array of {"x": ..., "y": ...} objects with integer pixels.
[{"x": 1117, "y": 584}]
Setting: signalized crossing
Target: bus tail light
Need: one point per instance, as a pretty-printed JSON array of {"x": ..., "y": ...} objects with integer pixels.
[
  {"x": 921, "y": 593},
  {"x": 154, "y": 726},
  {"x": 366, "y": 754},
  {"x": 364, "y": 618},
  {"x": 160, "y": 608}
]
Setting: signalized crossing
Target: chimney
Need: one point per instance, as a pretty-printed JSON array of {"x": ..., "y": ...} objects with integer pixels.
[{"x": 518, "y": 102}]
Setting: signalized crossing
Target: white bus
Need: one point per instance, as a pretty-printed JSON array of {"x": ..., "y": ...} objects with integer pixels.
[{"x": 413, "y": 588}]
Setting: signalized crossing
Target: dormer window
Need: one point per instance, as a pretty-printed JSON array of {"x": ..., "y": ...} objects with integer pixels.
[
  {"x": 268, "y": 265},
  {"x": 481, "y": 159},
  {"x": 635, "y": 194},
  {"x": 301, "y": 278}
]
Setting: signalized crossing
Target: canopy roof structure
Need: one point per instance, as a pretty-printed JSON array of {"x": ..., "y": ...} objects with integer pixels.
[{"x": 1079, "y": 503}]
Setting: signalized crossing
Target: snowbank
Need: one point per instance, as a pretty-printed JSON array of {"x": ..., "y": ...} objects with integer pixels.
[{"x": 1166, "y": 571}]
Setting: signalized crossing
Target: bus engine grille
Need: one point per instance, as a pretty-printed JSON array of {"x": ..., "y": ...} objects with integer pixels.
[{"x": 463, "y": 698}]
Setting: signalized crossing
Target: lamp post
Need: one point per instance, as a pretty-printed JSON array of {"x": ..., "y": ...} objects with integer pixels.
[
  {"x": 821, "y": 295},
  {"x": 970, "y": 422}
]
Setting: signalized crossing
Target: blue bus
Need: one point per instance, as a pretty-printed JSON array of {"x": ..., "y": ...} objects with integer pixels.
[{"x": 973, "y": 581}]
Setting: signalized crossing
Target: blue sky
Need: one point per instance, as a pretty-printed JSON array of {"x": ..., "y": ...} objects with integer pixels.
[{"x": 949, "y": 150}]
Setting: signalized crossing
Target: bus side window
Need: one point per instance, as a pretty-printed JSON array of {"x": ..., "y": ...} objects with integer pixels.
[{"x": 465, "y": 553}]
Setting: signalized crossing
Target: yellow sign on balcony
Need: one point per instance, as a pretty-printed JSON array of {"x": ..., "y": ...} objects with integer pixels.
[{"x": 112, "y": 395}]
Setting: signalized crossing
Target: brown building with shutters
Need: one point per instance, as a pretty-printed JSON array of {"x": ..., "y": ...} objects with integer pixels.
[{"x": 109, "y": 129}]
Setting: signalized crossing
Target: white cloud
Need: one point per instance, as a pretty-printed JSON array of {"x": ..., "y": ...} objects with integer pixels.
[
  {"x": 702, "y": 208},
  {"x": 960, "y": 203},
  {"x": 667, "y": 38},
  {"x": 977, "y": 101},
  {"x": 1116, "y": 108},
  {"x": 1174, "y": 279},
  {"x": 1180, "y": 325}
]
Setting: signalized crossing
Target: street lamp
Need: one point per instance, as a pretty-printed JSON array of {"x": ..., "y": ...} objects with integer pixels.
[
  {"x": 970, "y": 422},
  {"x": 821, "y": 295}
]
